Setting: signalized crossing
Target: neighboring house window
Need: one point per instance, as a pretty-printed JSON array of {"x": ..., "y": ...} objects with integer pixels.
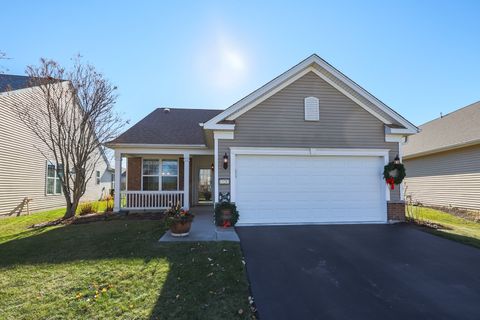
[
  {"x": 54, "y": 185},
  {"x": 155, "y": 179},
  {"x": 98, "y": 177},
  {"x": 312, "y": 109}
]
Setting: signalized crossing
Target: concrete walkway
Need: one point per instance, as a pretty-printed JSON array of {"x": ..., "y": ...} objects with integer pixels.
[{"x": 203, "y": 229}]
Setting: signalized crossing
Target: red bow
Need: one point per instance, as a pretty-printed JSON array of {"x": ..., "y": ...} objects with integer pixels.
[
  {"x": 391, "y": 182},
  {"x": 227, "y": 224}
]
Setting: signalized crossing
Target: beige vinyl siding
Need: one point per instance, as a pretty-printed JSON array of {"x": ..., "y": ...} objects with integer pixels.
[
  {"x": 450, "y": 178},
  {"x": 279, "y": 122},
  {"x": 22, "y": 164}
]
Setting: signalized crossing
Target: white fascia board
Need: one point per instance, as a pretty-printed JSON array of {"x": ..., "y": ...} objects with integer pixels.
[
  {"x": 149, "y": 151},
  {"x": 216, "y": 126},
  {"x": 155, "y": 146},
  {"x": 223, "y": 135},
  {"x": 310, "y": 151},
  {"x": 251, "y": 100},
  {"x": 405, "y": 131},
  {"x": 395, "y": 138}
]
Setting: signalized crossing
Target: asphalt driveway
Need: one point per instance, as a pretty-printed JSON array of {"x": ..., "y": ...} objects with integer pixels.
[{"x": 360, "y": 272}]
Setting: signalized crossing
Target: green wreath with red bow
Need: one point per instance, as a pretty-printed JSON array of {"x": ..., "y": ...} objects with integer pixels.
[{"x": 394, "y": 173}]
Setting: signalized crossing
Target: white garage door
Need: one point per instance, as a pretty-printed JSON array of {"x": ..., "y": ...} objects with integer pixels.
[{"x": 309, "y": 189}]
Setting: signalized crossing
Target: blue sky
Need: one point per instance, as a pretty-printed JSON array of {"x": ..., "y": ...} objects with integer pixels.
[{"x": 419, "y": 57}]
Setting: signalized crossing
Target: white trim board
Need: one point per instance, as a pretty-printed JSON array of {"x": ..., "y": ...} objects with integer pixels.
[
  {"x": 135, "y": 151},
  {"x": 217, "y": 135},
  {"x": 294, "y": 74}
]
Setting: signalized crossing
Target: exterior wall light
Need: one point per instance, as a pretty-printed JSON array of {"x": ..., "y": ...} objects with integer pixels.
[
  {"x": 212, "y": 167},
  {"x": 396, "y": 160},
  {"x": 225, "y": 161}
]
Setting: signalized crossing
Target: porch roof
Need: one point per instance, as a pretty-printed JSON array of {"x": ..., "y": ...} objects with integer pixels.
[{"x": 169, "y": 126}]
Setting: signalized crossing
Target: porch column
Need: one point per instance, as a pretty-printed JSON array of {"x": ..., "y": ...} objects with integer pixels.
[
  {"x": 118, "y": 183},
  {"x": 186, "y": 180}
]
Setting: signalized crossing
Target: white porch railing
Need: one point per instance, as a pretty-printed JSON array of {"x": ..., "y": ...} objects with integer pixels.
[{"x": 150, "y": 200}]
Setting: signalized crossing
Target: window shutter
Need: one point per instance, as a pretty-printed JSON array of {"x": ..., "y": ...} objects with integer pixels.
[{"x": 312, "y": 109}]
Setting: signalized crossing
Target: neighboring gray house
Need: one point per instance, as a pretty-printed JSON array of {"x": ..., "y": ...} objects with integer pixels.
[
  {"x": 307, "y": 147},
  {"x": 443, "y": 160},
  {"x": 24, "y": 171}
]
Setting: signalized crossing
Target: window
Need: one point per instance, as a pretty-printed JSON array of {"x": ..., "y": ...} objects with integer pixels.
[
  {"x": 97, "y": 180},
  {"x": 155, "y": 179},
  {"x": 151, "y": 178},
  {"x": 53, "y": 183},
  {"x": 169, "y": 174}
]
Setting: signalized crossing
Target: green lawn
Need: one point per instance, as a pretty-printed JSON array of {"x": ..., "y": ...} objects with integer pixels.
[
  {"x": 115, "y": 270},
  {"x": 456, "y": 228}
]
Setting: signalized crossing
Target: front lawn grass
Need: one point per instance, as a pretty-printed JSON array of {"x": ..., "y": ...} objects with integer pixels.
[
  {"x": 115, "y": 270},
  {"x": 456, "y": 228}
]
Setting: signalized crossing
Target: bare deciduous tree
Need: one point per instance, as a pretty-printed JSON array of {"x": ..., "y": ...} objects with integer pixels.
[{"x": 72, "y": 113}]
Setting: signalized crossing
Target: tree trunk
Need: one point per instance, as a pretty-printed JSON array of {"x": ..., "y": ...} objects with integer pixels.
[{"x": 71, "y": 208}]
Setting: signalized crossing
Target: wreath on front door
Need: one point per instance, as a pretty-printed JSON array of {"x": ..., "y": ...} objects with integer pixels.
[{"x": 394, "y": 173}]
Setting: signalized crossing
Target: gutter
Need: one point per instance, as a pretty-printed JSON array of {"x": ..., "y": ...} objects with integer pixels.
[{"x": 442, "y": 149}]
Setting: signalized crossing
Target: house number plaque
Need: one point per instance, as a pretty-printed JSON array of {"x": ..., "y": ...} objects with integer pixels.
[{"x": 224, "y": 181}]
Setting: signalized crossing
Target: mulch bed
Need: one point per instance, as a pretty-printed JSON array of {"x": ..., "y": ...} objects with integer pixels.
[
  {"x": 470, "y": 215},
  {"x": 428, "y": 224},
  {"x": 108, "y": 216}
]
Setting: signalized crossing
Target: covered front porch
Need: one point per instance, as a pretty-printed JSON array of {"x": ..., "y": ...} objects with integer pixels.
[{"x": 156, "y": 179}]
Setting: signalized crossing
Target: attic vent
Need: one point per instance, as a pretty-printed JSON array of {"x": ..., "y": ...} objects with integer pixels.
[
  {"x": 166, "y": 110},
  {"x": 312, "y": 109}
]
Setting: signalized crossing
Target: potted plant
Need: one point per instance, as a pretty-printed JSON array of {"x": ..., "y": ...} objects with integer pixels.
[
  {"x": 226, "y": 214},
  {"x": 178, "y": 220}
]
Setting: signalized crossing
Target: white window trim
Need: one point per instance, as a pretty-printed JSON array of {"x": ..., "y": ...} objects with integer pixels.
[
  {"x": 160, "y": 172},
  {"x": 234, "y": 151},
  {"x": 55, "y": 179},
  {"x": 311, "y": 106}
]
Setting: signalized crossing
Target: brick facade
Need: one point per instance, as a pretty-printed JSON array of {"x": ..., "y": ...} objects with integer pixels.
[
  {"x": 134, "y": 173},
  {"x": 396, "y": 210}
]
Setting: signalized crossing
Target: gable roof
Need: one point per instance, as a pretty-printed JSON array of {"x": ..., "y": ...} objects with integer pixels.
[
  {"x": 13, "y": 82},
  {"x": 328, "y": 73},
  {"x": 457, "y": 129},
  {"x": 169, "y": 126}
]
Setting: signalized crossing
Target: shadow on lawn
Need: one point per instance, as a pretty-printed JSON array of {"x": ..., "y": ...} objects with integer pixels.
[
  {"x": 195, "y": 287},
  {"x": 475, "y": 242}
]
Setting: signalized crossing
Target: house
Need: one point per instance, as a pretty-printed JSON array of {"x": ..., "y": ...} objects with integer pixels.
[
  {"x": 307, "y": 147},
  {"x": 25, "y": 173},
  {"x": 443, "y": 161}
]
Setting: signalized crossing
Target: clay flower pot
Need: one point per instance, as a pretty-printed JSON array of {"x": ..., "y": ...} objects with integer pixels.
[{"x": 181, "y": 228}]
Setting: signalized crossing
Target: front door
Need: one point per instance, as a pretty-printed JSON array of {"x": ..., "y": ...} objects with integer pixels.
[{"x": 204, "y": 186}]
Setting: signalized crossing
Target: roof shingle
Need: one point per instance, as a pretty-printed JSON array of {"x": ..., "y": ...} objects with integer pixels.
[
  {"x": 169, "y": 126},
  {"x": 13, "y": 82},
  {"x": 455, "y": 129}
]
